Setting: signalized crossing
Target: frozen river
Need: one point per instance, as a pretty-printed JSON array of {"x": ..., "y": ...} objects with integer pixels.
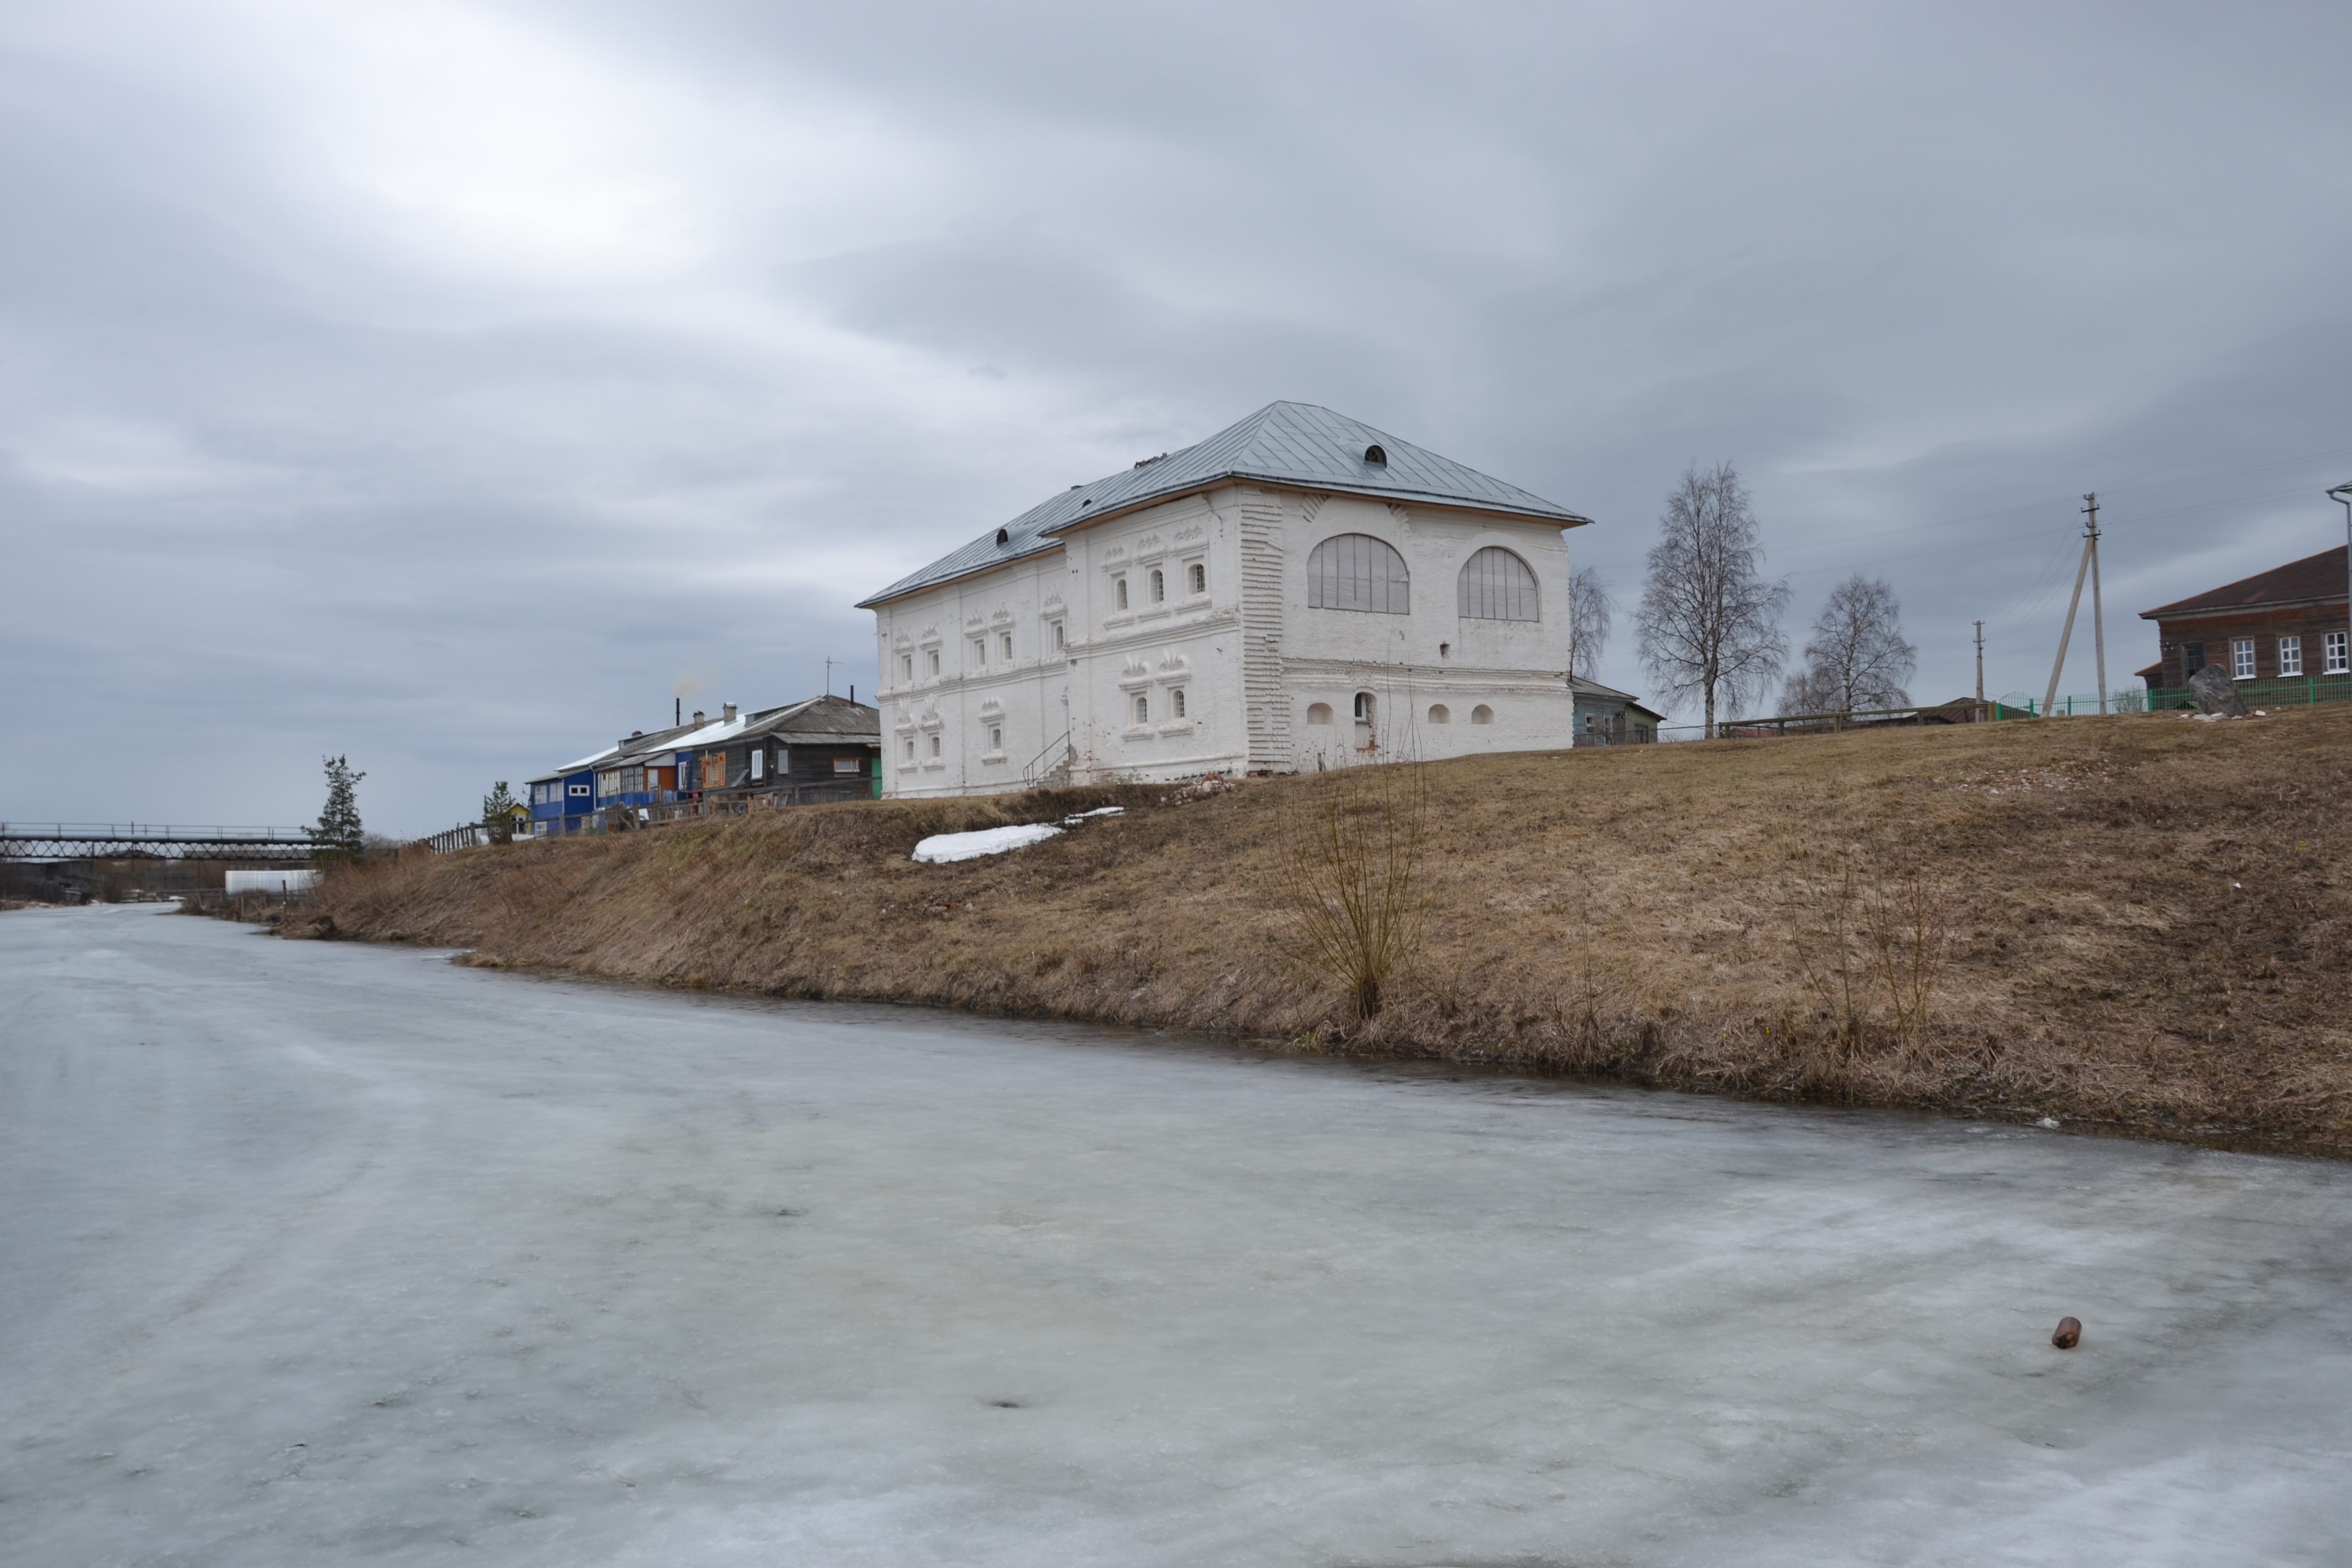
[{"x": 325, "y": 1254}]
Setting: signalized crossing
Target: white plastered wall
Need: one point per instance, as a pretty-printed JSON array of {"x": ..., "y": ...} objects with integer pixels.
[
  {"x": 982, "y": 719},
  {"x": 1158, "y": 646},
  {"x": 1432, "y": 656}
]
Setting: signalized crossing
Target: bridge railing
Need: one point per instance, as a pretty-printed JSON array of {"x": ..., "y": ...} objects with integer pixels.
[{"x": 104, "y": 841}]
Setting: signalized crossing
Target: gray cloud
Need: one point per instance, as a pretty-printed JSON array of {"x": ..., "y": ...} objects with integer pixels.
[{"x": 444, "y": 385}]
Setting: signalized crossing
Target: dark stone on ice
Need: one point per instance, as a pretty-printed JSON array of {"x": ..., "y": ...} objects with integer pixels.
[{"x": 2070, "y": 1329}]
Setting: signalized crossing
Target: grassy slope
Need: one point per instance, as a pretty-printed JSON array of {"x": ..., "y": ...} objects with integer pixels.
[{"x": 2150, "y": 918}]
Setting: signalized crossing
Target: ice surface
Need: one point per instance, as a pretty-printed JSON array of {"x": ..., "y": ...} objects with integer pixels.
[
  {"x": 321, "y": 1254},
  {"x": 941, "y": 847}
]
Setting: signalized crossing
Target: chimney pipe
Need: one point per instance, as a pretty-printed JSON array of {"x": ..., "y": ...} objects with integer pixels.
[
  {"x": 697, "y": 718},
  {"x": 728, "y": 713},
  {"x": 853, "y": 694}
]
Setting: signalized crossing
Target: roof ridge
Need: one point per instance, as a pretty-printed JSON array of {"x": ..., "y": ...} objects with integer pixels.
[{"x": 1303, "y": 445}]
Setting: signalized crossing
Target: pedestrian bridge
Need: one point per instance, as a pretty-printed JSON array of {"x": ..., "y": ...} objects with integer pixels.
[{"x": 124, "y": 840}]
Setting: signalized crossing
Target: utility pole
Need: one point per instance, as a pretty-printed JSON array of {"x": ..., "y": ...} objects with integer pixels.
[
  {"x": 1979, "y": 663},
  {"x": 828, "y": 676},
  {"x": 2088, "y": 566},
  {"x": 2098, "y": 613}
]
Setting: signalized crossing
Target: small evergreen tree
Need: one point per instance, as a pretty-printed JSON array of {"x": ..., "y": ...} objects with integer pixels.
[
  {"x": 339, "y": 832},
  {"x": 497, "y": 814}
]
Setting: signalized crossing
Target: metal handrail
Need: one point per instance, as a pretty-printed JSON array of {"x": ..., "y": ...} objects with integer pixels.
[
  {"x": 1031, "y": 774},
  {"x": 150, "y": 833}
]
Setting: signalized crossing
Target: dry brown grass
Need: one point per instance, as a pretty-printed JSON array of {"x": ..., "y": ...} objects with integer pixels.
[{"x": 2139, "y": 921}]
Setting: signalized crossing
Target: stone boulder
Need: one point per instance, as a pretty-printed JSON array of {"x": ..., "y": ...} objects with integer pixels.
[{"x": 2216, "y": 693}]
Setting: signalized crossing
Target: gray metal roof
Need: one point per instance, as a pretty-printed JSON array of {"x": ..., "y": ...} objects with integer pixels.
[
  {"x": 1582, "y": 687},
  {"x": 1283, "y": 443}
]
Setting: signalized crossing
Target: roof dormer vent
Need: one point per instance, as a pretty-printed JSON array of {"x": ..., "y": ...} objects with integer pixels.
[
  {"x": 1373, "y": 454},
  {"x": 1003, "y": 536}
]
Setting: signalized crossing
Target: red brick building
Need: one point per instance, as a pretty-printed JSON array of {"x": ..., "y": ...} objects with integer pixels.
[{"x": 2285, "y": 624}]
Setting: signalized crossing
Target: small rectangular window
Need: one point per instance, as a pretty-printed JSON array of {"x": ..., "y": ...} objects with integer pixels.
[
  {"x": 579, "y": 789},
  {"x": 2242, "y": 659},
  {"x": 858, "y": 764},
  {"x": 2335, "y": 651},
  {"x": 2290, "y": 655},
  {"x": 907, "y": 667},
  {"x": 980, "y": 650},
  {"x": 759, "y": 764}
]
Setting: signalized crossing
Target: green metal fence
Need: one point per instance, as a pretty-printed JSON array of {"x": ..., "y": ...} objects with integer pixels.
[{"x": 2291, "y": 691}]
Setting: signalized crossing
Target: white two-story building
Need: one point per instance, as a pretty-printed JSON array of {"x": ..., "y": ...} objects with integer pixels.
[{"x": 1298, "y": 590}]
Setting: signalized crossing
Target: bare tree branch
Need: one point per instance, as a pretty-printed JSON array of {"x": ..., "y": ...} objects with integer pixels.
[
  {"x": 1856, "y": 658},
  {"x": 1589, "y": 613},
  {"x": 1710, "y": 625}
]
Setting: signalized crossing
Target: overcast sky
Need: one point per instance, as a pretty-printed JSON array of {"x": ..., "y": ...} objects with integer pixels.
[{"x": 454, "y": 384}]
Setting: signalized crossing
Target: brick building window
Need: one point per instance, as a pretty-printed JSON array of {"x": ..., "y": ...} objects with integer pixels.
[{"x": 2335, "y": 661}]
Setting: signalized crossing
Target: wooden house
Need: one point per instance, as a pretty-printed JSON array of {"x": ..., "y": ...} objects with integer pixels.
[
  {"x": 1608, "y": 717},
  {"x": 2285, "y": 624}
]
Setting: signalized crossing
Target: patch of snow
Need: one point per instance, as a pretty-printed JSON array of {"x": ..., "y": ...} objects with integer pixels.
[
  {"x": 276, "y": 879},
  {"x": 1098, "y": 811},
  {"x": 942, "y": 847}
]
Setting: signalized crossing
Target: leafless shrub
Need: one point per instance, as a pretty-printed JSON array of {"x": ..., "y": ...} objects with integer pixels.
[
  {"x": 1353, "y": 902},
  {"x": 1871, "y": 931}
]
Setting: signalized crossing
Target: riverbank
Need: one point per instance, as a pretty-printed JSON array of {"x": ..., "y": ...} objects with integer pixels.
[{"x": 2136, "y": 922}]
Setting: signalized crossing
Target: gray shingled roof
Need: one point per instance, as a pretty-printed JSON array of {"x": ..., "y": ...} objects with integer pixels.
[{"x": 1285, "y": 443}]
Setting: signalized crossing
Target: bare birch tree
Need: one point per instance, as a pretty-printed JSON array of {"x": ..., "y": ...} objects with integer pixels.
[
  {"x": 1856, "y": 658},
  {"x": 1589, "y": 616},
  {"x": 1710, "y": 625}
]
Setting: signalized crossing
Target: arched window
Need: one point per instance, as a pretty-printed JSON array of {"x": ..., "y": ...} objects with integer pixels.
[
  {"x": 1318, "y": 712},
  {"x": 1197, "y": 577},
  {"x": 1122, "y": 583},
  {"x": 1176, "y": 703},
  {"x": 1143, "y": 709},
  {"x": 1363, "y": 707},
  {"x": 1356, "y": 571},
  {"x": 1495, "y": 585},
  {"x": 1482, "y": 714},
  {"x": 1438, "y": 714},
  {"x": 1158, "y": 586}
]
